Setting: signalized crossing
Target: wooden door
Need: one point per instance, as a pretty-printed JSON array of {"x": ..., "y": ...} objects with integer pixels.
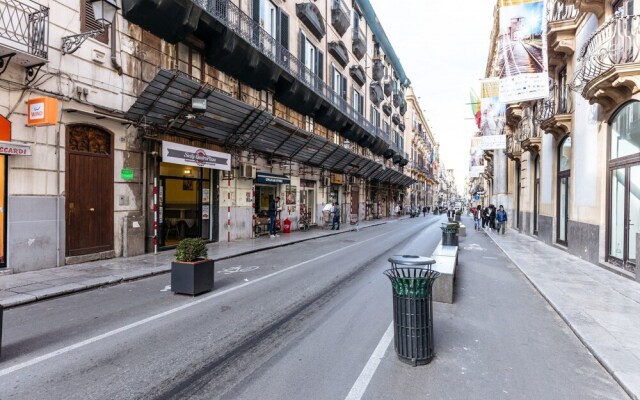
[{"x": 89, "y": 191}]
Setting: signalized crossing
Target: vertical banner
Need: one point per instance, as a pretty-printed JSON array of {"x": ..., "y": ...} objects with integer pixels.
[
  {"x": 492, "y": 110},
  {"x": 523, "y": 49},
  {"x": 476, "y": 158}
]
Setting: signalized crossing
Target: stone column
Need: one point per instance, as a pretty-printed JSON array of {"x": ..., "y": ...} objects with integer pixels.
[{"x": 500, "y": 166}]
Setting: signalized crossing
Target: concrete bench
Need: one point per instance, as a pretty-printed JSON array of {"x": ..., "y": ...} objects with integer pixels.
[
  {"x": 446, "y": 261},
  {"x": 462, "y": 230}
]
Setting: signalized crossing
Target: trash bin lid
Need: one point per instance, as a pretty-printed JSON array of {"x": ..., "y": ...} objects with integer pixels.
[{"x": 411, "y": 260}]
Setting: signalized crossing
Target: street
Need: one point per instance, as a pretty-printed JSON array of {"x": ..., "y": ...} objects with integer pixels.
[{"x": 302, "y": 322}]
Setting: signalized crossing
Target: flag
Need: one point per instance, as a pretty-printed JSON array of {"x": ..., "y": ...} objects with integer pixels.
[{"x": 475, "y": 107}]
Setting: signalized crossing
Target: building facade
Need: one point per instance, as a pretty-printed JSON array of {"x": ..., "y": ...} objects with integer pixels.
[
  {"x": 185, "y": 118},
  {"x": 572, "y": 168}
]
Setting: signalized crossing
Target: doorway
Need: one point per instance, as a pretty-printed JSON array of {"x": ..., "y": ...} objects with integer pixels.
[
  {"x": 564, "y": 173},
  {"x": 89, "y": 190}
]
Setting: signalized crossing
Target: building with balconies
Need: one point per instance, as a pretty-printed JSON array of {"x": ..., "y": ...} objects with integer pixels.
[
  {"x": 573, "y": 159},
  {"x": 184, "y": 118}
]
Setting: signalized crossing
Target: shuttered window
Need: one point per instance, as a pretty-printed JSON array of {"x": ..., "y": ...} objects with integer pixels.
[{"x": 89, "y": 23}]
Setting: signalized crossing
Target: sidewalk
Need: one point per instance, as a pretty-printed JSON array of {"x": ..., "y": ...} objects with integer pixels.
[
  {"x": 601, "y": 307},
  {"x": 28, "y": 287}
]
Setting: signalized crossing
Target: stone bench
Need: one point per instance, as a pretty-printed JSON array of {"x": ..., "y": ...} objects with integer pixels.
[{"x": 446, "y": 261}]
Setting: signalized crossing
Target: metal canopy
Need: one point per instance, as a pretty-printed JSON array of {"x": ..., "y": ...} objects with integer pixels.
[{"x": 165, "y": 104}]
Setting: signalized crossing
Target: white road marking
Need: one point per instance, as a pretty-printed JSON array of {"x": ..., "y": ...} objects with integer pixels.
[
  {"x": 166, "y": 288},
  {"x": 194, "y": 303},
  {"x": 359, "y": 387}
]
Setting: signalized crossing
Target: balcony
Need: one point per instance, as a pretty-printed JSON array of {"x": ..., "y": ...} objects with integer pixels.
[
  {"x": 554, "y": 112},
  {"x": 24, "y": 33},
  {"x": 609, "y": 63},
  {"x": 377, "y": 71},
  {"x": 586, "y": 6},
  {"x": 233, "y": 38},
  {"x": 311, "y": 16},
  {"x": 359, "y": 42},
  {"x": 529, "y": 134},
  {"x": 375, "y": 93},
  {"x": 340, "y": 52},
  {"x": 513, "y": 151},
  {"x": 562, "y": 19},
  {"x": 340, "y": 16}
]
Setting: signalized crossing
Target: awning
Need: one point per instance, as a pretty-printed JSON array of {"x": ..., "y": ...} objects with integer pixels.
[
  {"x": 165, "y": 105},
  {"x": 272, "y": 179}
]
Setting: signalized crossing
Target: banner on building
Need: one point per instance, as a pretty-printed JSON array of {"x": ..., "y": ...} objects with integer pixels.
[
  {"x": 476, "y": 158},
  {"x": 195, "y": 157},
  {"x": 495, "y": 142},
  {"x": 476, "y": 171},
  {"x": 522, "y": 42},
  {"x": 493, "y": 113}
]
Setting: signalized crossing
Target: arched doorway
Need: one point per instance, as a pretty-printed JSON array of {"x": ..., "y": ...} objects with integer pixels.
[
  {"x": 564, "y": 173},
  {"x": 623, "y": 181},
  {"x": 89, "y": 190},
  {"x": 536, "y": 193},
  {"x": 518, "y": 193}
]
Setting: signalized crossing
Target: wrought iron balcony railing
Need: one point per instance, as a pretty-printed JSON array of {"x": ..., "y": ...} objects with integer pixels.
[
  {"x": 249, "y": 30},
  {"x": 560, "y": 101},
  {"x": 24, "y": 26},
  {"x": 559, "y": 10},
  {"x": 616, "y": 43}
]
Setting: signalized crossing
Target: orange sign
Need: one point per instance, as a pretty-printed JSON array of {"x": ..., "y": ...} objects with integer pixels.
[
  {"x": 42, "y": 111},
  {"x": 5, "y": 129}
]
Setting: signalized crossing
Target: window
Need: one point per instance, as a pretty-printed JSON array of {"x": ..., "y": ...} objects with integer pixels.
[
  {"x": 276, "y": 23},
  {"x": 386, "y": 128},
  {"x": 357, "y": 101},
  {"x": 313, "y": 59},
  {"x": 189, "y": 61},
  {"x": 375, "y": 117},
  {"x": 89, "y": 23},
  {"x": 338, "y": 83}
]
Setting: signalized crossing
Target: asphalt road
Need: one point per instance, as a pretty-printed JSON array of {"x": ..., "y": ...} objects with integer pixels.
[{"x": 302, "y": 322}]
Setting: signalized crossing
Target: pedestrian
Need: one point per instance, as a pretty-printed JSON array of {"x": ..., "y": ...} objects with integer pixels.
[
  {"x": 326, "y": 213},
  {"x": 273, "y": 209},
  {"x": 485, "y": 216},
  {"x": 396, "y": 210},
  {"x": 424, "y": 211},
  {"x": 492, "y": 216},
  {"x": 336, "y": 216},
  {"x": 477, "y": 217},
  {"x": 501, "y": 216}
]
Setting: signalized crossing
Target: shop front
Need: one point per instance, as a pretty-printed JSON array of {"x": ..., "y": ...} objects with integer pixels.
[
  {"x": 267, "y": 187},
  {"x": 187, "y": 193},
  {"x": 308, "y": 199}
]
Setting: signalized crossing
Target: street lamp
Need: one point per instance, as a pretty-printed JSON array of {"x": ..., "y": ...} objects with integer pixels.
[{"x": 104, "y": 12}]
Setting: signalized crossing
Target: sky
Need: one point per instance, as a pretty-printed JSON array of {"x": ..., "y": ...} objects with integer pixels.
[{"x": 443, "y": 47}]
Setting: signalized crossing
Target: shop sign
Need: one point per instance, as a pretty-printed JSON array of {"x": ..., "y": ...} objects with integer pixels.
[
  {"x": 337, "y": 179},
  {"x": 272, "y": 179},
  {"x": 5, "y": 129},
  {"x": 15, "y": 149},
  {"x": 188, "y": 155},
  {"x": 42, "y": 111},
  {"x": 126, "y": 174}
]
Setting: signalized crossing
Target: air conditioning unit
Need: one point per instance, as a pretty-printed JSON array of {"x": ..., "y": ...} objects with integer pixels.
[
  {"x": 326, "y": 181},
  {"x": 248, "y": 171},
  {"x": 353, "y": 180}
]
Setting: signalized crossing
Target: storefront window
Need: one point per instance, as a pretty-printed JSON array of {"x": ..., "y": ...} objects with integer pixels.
[{"x": 625, "y": 131}]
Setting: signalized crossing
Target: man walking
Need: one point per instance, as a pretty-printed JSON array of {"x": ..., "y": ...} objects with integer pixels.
[
  {"x": 273, "y": 209},
  {"x": 501, "y": 217},
  {"x": 336, "y": 216},
  {"x": 477, "y": 217}
]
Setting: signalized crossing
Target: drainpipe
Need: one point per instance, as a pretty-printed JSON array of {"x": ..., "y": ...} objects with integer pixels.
[{"x": 114, "y": 62}]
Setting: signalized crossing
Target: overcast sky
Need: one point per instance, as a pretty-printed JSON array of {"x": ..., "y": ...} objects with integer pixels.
[{"x": 443, "y": 48}]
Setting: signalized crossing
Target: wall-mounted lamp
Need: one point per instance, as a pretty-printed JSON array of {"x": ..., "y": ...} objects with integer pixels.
[
  {"x": 104, "y": 12},
  {"x": 346, "y": 144},
  {"x": 198, "y": 105},
  {"x": 187, "y": 171}
]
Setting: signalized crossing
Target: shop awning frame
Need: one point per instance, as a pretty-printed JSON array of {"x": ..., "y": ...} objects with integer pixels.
[{"x": 165, "y": 105}]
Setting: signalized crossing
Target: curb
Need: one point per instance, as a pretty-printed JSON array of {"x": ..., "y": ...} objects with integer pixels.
[
  {"x": 115, "y": 279},
  {"x": 567, "y": 321}
]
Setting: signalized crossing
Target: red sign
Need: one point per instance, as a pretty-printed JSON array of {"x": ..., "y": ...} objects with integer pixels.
[{"x": 5, "y": 129}]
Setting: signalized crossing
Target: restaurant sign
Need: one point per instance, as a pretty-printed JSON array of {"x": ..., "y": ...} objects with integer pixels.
[{"x": 195, "y": 156}]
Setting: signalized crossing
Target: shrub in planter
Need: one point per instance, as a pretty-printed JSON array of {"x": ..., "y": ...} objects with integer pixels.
[{"x": 191, "y": 273}]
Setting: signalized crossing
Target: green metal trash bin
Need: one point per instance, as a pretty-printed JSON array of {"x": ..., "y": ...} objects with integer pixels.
[
  {"x": 449, "y": 234},
  {"x": 412, "y": 281}
]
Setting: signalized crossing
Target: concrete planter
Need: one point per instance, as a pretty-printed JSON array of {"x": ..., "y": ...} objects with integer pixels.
[{"x": 192, "y": 278}]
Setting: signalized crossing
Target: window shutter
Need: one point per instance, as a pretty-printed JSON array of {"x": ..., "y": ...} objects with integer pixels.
[
  {"x": 320, "y": 64},
  {"x": 256, "y": 10},
  {"x": 361, "y": 104},
  {"x": 89, "y": 22},
  {"x": 344, "y": 87},
  {"x": 333, "y": 77},
  {"x": 301, "y": 42},
  {"x": 283, "y": 29}
]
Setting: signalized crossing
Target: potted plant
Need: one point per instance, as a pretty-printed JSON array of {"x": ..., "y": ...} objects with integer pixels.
[
  {"x": 192, "y": 272},
  {"x": 458, "y": 216}
]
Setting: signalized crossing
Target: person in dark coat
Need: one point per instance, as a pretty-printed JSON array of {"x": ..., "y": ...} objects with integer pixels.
[
  {"x": 492, "y": 217},
  {"x": 336, "y": 216},
  {"x": 273, "y": 209}
]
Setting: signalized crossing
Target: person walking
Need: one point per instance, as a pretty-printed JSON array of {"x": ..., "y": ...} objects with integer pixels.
[
  {"x": 273, "y": 210},
  {"x": 336, "y": 216},
  {"x": 424, "y": 211},
  {"x": 492, "y": 216},
  {"x": 477, "y": 217},
  {"x": 501, "y": 217}
]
